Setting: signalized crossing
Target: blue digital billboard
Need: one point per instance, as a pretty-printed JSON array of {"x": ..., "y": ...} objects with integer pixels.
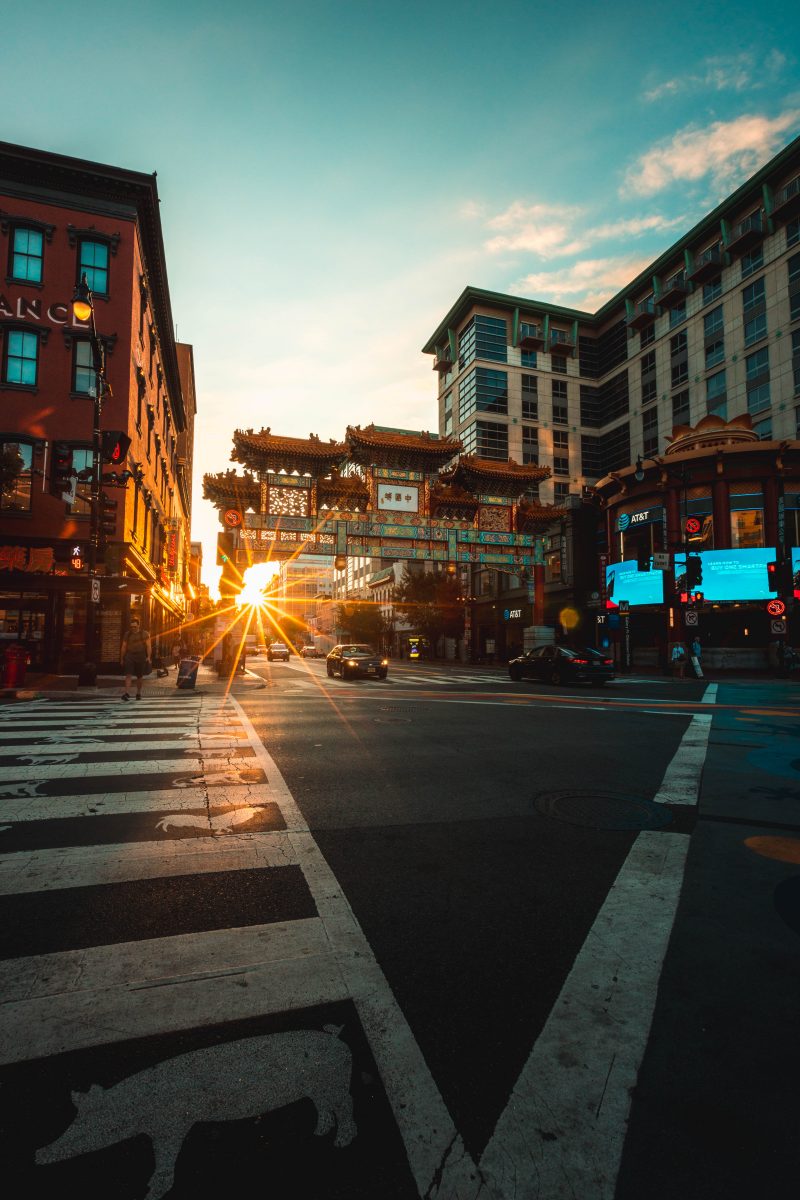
[
  {"x": 624, "y": 581},
  {"x": 730, "y": 574},
  {"x": 796, "y": 571}
]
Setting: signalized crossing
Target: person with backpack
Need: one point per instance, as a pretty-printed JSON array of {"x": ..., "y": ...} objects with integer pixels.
[
  {"x": 677, "y": 660},
  {"x": 134, "y": 656}
]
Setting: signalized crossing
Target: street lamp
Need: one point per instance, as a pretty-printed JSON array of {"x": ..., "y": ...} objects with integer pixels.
[{"x": 83, "y": 311}]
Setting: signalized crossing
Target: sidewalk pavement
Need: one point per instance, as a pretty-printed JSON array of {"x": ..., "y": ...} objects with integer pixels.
[{"x": 41, "y": 686}]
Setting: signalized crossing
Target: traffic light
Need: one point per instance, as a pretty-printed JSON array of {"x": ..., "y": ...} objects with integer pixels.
[
  {"x": 643, "y": 558},
  {"x": 115, "y": 446},
  {"x": 694, "y": 571},
  {"x": 61, "y": 472},
  {"x": 772, "y": 577},
  {"x": 108, "y": 516}
]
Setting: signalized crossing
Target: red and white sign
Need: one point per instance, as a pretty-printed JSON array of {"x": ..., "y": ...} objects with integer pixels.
[
  {"x": 693, "y": 525},
  {"x": 776, "y": 608},
  {"x": 233, "y": 518}
]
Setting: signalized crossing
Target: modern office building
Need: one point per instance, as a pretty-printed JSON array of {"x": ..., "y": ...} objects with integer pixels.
[
  {"x": 62, "y": 218},
  {"x": 712, "y": 327}
]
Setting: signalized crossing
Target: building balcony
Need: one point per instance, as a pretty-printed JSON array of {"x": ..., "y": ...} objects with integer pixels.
[
  {"x": 746, "y": 235},
  {"x": 561, "y": 342},
  {"x": 443, "y": 360},
  {"x": 707, "y": 265},
  {"x": 643, "y": 314},
  {"x": 786, "y": 202},
  {"x": 531, "y": 337},
  {"x": 675, "y": 290}
]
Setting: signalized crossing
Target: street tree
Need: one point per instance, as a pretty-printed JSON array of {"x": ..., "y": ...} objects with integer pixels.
[{"x": 432, "y": 604}]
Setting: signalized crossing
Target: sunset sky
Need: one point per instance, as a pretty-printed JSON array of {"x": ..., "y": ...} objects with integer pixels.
[{"x": 332, "y": 175}]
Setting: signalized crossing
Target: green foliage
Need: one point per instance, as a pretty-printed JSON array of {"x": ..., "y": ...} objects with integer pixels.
[
  {"x": 361, "y": 621},
  {"x": 430, "y": 602}
]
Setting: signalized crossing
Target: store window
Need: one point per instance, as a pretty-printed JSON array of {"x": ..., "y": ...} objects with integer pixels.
[
  {"x": 16, "y": 467},
  {"x": 747, "y": 520}
]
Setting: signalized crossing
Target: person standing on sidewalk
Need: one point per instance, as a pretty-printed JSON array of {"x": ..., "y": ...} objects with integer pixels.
[
  {"x": 134, "y": 654},
  {"x": 677, "y": 660}
]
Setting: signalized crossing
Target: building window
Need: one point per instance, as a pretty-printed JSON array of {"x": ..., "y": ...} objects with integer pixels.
[
  {"x": 486, "y": 440},
  {"x": 716, "y": 395},
  {"x": 560, "y": 412},
  {"x": 650, "y": 431},
  {"x": 648, "y": 366},
  {"x": 751, "y": 262},
  {"x": 528, "y": 358},
  {"x": 83, "y": 376},
  {"x": 560, "y": 439},
  {"x": 82, "y": 459},
  {"x": 16, "y": 468},
  {"x": 755, "y": 329},
  {"x": 530, "y": 398},
  {"x": 715, "y": 353},
  {"x": 590, "y": 456},
  {"x": 484, "y": 337},
  {"x": 530, "y": 444},
  {"x": 679, "y": 358},
  {"x": 676, "y": 315},
  {"x": 747, "y": 526},
  {"x": 763, "y": 429},
  {"x": 794, "y": 287},
  {"x": 21, "y": 364},
  {"x": 712, "y": 290},
  {"x": 793, "y": 233},
  {"x": 93, "y": 263},
  {"x": 753, "y": 296},
  {"x": 560, "y": 494},
  {"x": 713, "y": 322},
  {"x": 757, "y": 376},
  {"x": 448, "y": 413},
  {"x": 558, "y": 364},
  {"x": 560, "y": 465},
  {"x": 483, "y": 390},
  {"x": 560, "y": 416},
  {"x": 615, "y": 448},
  {"x": 647, "y": 336},
  {"x": 796, "y": 360},
  {"x": 27, "y": 255},
  {"x": 680, "y": 408},
  {"x": 590, "y": 406}
]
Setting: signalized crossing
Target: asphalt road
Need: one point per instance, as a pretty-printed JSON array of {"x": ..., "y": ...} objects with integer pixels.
[{"x": 527, "y": 941}]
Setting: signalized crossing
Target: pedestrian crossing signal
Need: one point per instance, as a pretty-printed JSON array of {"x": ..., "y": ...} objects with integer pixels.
[{"x": 115, "y": 446}]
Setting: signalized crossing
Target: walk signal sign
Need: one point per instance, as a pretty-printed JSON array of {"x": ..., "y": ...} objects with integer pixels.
[{"x": 115, "y": 446}]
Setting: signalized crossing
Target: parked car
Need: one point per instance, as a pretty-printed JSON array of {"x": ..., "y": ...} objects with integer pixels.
[
  {"x": 350, "y": 661},
  {"x": 278, "y": 652},
  {"x": 560, "y": 664},
  {"x": 310, "y": 652}
]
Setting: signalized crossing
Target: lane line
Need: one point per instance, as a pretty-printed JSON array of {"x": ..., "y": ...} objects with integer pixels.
[
  {"x": 439, "y": 1162},
  {"x": 563, "y": 1130}
]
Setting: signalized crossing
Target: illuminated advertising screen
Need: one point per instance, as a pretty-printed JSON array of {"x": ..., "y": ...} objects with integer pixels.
[
  {"x": 624, "y": 581},
  {"x": 796, "y": 571},
  {"x": 730, "y": 574}
]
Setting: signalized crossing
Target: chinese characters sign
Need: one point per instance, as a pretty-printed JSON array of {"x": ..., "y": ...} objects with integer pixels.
[
  {"x": 398, "y": 497},
  {"x": 35, "y": 559}
]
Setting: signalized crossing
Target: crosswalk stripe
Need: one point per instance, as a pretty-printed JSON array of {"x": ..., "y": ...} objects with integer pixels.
[
  {"x": 151, "y": 766},
  {"x": 84, "y": 866},
  {"x": 107, "y": 993},
  {"x": 167, "y": 800}
]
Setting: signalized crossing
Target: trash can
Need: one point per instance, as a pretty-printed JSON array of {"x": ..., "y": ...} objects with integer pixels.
[
  {"x": 187, "y": 672},
  {"x": 14, "y": 664}
]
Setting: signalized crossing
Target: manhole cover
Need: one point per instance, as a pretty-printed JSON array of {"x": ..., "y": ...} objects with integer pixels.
[
  {"x": 395, "y": 708},
  {"x": 602, "y": 810},
  {"x": 392, "y": 720}
]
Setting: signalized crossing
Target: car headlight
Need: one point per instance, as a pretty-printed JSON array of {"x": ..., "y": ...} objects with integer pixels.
[
  {"x": 384, "y": 662},
  {"x": 351, "y": 662}
]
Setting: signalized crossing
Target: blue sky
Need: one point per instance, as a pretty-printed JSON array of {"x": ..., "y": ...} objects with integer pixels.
[{"x": 332, "y": 175}]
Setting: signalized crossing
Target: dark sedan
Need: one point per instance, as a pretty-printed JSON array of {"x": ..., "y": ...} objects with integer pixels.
[
  {"x": 350, "y": 661},
  {"x": 558, "y": 664}
]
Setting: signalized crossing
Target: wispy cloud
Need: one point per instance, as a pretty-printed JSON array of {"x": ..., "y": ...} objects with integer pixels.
[
  {"x": 723, "y": 73},
  {"x": 550, "y": 232},
  {"x": 585, "y": 285},
  {"x": 726, "y": 152}
]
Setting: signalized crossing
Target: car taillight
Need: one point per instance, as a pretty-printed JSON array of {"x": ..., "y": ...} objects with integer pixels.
[
  {"x": 608, "y": 662},
  {"x": 582, "y": 662}
]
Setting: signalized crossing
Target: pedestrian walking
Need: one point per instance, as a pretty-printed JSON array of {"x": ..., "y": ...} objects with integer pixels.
[
  {"x": 177, "y": 653},
  {"x": 697, "y": 649},
  {"x": 677, "y": 660},
  {"x": 134, "y": 656}
]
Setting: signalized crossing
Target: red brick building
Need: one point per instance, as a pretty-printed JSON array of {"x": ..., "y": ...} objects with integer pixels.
[{"x": 60, "y": 218}]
